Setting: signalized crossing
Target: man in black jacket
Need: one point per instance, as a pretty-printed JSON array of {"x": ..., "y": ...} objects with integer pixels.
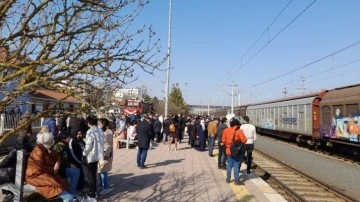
[{"x": 144, "y": 131}]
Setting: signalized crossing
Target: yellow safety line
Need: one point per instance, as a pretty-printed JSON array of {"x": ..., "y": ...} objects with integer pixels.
[{"x": 240, "y": 191}]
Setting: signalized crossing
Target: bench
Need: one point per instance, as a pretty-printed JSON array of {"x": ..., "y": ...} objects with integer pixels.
[
  {"x": 128, "y": 142},
  {"x": 19, "y": 188}
]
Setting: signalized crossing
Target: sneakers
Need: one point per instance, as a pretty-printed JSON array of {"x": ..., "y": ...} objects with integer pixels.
[
  {"x": 238, "y": 183},
  {"x": 105, "y": 191},
  {"x": 89, "y": 199},
  {"x": 79, "y": 198},
  {"x": 168, "y": 149},
  {"x": 248, "y": 172},
  {"x": 175, "y": 149},
  {"x": 227, "y": 181}
]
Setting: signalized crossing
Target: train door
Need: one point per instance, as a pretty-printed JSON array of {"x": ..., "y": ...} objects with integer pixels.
[
  {"x": 301, "y": 118},
  {"x": 295, "y": 116}
]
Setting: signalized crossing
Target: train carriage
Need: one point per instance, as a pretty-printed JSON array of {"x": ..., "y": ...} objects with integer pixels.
[
  {"x": 295, "y": 117},
  {"x": 340, "y": 116}
]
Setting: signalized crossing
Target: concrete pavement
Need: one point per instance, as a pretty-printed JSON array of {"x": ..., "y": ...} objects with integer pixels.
[{"x": 182, "y": 175}]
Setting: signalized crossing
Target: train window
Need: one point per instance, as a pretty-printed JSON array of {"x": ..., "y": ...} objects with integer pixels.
[
  {"x": 351, "y": 110},
  {"x": 136, "y": 104},
  {"x": 338, "y": 111}
]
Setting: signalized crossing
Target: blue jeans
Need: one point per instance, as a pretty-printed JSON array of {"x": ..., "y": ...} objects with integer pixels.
[
  {"x": 211, "y": 145},
  {"x": 104, "y": 180},
  {"x": 233, "y": 162},
  {"x": 73, "y": 174},
  {"x": 141, "y": 157}
]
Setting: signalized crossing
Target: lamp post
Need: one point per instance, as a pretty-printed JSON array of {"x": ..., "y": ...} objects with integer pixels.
[{"x": 168, "y": 66}]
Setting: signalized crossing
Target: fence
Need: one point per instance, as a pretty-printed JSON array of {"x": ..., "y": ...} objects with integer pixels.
[{"x": 9, "y": 122}]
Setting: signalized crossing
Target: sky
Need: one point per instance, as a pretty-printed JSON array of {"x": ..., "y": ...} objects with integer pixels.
[{"x": 266, "y": 47}]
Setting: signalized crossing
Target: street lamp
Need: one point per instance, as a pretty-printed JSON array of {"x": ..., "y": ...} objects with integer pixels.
[{"x": 167, "y": 86}]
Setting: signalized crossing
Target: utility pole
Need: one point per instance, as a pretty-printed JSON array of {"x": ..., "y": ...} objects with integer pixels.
[
  {"x": 232, "y": 96},
  {"x": 285, "y": 92},
  {"x": 302, "y": 88},
  {"x": 167, "y": 87},
  {"x": 208, "y": 108}
]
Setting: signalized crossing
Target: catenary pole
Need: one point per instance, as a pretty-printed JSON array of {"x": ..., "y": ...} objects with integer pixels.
[{"x": 167, "y": 85}]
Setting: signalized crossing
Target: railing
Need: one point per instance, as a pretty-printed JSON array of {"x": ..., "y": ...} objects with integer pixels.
[{"x": 9, "y": 122}]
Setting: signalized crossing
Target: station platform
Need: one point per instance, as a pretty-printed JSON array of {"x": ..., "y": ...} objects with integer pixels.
[{"x": 182, "y": 175}]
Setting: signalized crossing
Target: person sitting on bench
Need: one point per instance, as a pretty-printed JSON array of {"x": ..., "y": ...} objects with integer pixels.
[{"x": 42, "y": 170}]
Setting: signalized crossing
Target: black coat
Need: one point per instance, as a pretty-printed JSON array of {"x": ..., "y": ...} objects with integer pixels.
[
  {"x": 157, "y": 126},
  {"x": 144, "y": 132},
  {"x": 166, "y": 125}
]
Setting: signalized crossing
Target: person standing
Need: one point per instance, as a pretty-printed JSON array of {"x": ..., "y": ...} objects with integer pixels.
[
  {"x": 103, "y": 169},
  {"x": 157, "y": 129},
  {"x": 182, "y": 124},
  {"x": 212, "y": 133},
  {"x": 166, "y": 131},
  {"x": 233, "y": 133},
  {"x": 222, "y": 154},
  {"x": 250, "y": 133},
  {"x": 144, "y": 131},
  {"x": 50, "y": 122},
  {"x": 200, "y": 134},
  {"x": 92, "y": 154}
]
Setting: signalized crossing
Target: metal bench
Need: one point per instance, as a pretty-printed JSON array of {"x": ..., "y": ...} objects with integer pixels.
[{"x": 19, "y": 188}]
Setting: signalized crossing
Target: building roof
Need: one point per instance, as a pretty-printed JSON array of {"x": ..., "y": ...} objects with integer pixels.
[{"x": 53, "y": 95}]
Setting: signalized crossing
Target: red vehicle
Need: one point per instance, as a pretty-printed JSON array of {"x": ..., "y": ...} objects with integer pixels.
[{"x": 136, "y": 106}]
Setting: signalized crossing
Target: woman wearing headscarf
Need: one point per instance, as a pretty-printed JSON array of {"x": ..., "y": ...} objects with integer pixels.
[
  {"x": 200, "y": 132},
  {"x": 42, "y": 169}
]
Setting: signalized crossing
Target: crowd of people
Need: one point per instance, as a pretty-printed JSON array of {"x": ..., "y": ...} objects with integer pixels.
[
  {"x": 64, "y": 161},
  {"x": 202, "y": 131},
  {"x": 70, "y": 152}
]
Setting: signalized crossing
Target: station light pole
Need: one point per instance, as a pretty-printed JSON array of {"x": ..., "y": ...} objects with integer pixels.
[{"x": 167, "y": 85}]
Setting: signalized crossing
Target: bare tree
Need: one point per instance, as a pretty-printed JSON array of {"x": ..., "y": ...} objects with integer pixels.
[{"x": 46, "y": 42}]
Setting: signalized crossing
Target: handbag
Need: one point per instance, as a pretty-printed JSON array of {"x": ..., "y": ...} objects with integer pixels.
[
  {"x": 196, "y": 143},
  {"x": 237, "y": 148}
]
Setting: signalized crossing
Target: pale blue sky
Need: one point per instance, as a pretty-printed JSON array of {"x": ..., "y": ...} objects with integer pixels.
[{"x": 209, "y": 39}]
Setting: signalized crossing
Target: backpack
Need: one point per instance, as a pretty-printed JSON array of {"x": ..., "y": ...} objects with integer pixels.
[{"x": 172, "y": 128}]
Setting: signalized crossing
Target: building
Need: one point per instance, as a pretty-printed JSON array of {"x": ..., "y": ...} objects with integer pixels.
[{"x": 129, "y": 93}]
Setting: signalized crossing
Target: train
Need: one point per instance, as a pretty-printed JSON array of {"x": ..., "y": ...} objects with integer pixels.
[
  {"x": 132, "y": 106},
  {"x": 328, "y": 118}
]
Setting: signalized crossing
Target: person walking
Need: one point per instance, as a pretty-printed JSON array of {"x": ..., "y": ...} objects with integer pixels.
[
  {"x": 222, "y": 154},
  {"x": 174, "y": 132},
  {"x": 250, "y": 133},
  {"x": 144, "y": 131},
  {"x": 233, "y": 133}
]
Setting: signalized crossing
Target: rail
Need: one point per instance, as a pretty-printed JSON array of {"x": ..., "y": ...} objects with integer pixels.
[{"x": 297, "y": 184}]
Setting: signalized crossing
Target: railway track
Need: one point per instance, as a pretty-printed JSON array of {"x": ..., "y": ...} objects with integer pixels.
[
  {"x": 293, "y": 184},
  {"x": 341, "y": 157}
]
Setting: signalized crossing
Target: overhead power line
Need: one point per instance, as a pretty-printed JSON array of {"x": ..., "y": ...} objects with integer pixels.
[
  {"x": 262, "y": 48},
  {"x": 266, "y": 30},
  {"x": 309, "y": 64}
]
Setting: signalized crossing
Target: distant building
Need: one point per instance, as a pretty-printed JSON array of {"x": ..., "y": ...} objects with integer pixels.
[
  {"x": 31, "y": 100},
  {"x": 132, "y": 93}
]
